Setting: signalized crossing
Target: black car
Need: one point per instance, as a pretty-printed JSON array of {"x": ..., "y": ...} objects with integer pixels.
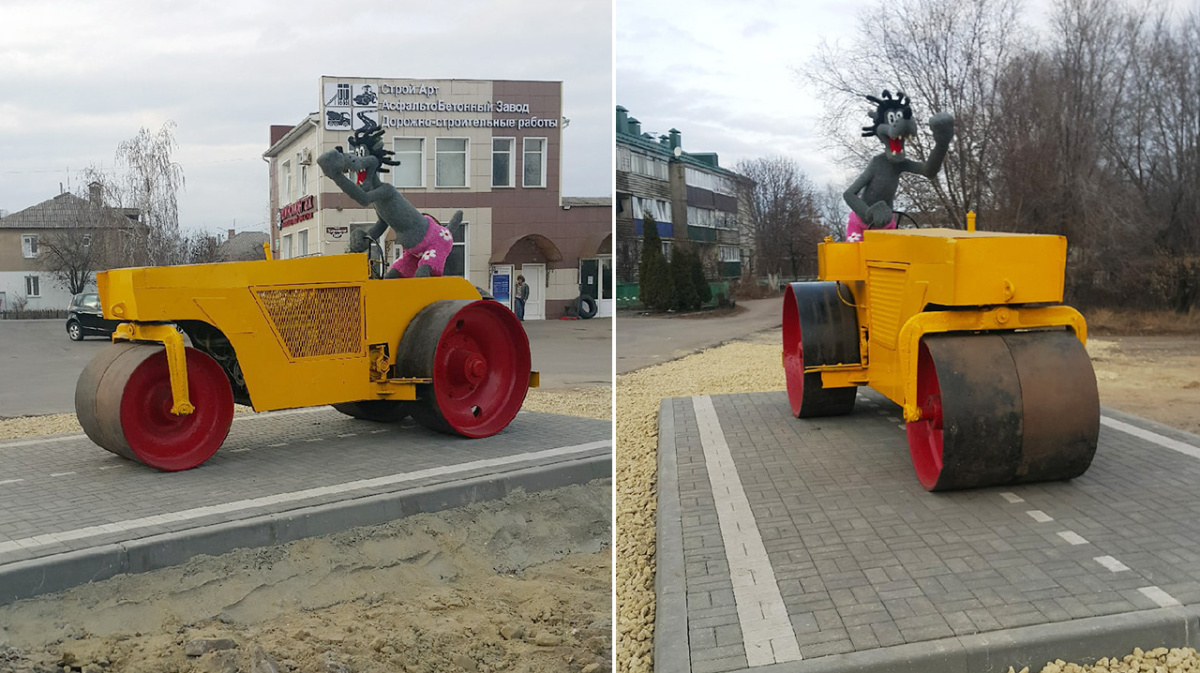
[{"x": 84, "y": 317}]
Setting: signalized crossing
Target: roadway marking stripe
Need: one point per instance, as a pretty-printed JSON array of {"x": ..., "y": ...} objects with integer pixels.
[
  {"x": 11, "y": 481},
  {"x": 1164, "y": 599},
  {"x": 1012, "y": 498},
  {"x": 1111, "y": 563},
  {"x": 1072, "y": 537},
  {"x": 1039, "y": 516},
  {"x": 296, "y": 496},
  {"x": 1141, "y": 433},
  {"x": 767, "y": 633},
  {"x": 60, "y": 474}
]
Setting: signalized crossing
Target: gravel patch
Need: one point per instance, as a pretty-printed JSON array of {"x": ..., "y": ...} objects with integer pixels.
[{"x": 732, "y": 368}]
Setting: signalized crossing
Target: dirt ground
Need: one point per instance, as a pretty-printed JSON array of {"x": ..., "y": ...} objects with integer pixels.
[
  {"x": 519, "y": 585},
  {"x": 1157, "y": 377}
]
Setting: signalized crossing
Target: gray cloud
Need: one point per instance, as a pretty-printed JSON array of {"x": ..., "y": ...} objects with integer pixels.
[{"x": 78, "y": 78}]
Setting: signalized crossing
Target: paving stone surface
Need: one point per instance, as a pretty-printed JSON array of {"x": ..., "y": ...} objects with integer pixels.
[
  {"x": 65, "y": 493},
  {"x": 864, "y": 558}
]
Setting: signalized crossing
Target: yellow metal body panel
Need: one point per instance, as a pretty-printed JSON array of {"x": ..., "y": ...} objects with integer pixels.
[
  {"x": 304, "y": 330},
  {"x": 910, "y": 282}
]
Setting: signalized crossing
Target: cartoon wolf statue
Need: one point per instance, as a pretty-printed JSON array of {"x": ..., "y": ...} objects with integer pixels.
[
  {"x": 427, "y": 244},
  {"x": 873, "y": 194}
]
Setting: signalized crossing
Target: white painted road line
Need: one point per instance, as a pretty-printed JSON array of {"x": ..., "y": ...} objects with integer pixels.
[
  {"x": 60, "y": 474},
  {"x": 276, "y": 446},
  {"x": 1039, "y": 516},
  {"x": 1012, "y": 498},
  {"x": 1164, "y": 599},
  {"x": 1111, "y": 563},
  {"x": 298, "y": 496},
  {"x": 1072, "y": 537},
  {"x": 10, "y": 481},
  {"x": 1141, "y": 433},
  {"x": 349, "y": 434},
  {"x": 767, "y": 634}
]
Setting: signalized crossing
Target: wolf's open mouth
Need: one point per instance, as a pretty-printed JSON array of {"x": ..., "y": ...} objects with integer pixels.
[{"x": 896, "y": 145}]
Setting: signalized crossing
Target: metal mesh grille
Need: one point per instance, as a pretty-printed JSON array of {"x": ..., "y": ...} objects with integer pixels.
[
  {"x": 887, "y": 290},
  {"x": 316, "y": 321}
]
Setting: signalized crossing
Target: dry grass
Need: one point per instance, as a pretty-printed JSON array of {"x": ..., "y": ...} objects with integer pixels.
[{"x": 1129, "y": 322}]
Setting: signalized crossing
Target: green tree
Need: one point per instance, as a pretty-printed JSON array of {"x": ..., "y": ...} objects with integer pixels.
[
  {"x": 685, "y": 298},
  {"x": 699, "y": 282},
  {"x": 654, "y": 278}
]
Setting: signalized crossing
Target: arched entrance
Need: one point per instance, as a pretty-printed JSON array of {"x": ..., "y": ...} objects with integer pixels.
[{"x": 530, "y": 256}]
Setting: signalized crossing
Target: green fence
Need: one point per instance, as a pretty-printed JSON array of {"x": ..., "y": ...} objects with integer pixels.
[{"x": 627, "y": 295}]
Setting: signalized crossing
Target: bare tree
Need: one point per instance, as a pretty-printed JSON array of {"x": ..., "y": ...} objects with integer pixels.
[
  {"x": 150, "y": 181},
  {"x": 948, "y": 56},
  {"x": 787, "y": 224},
  {"x": 90, "y": 237}
]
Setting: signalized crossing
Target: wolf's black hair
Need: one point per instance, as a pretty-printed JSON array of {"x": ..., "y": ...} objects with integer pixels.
[{"x": 883, "y": 106}]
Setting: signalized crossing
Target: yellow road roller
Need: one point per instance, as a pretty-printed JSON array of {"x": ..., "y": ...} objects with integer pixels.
[
  {"x": 967, "y": 332},
  {"x": 280, "y": 334}
]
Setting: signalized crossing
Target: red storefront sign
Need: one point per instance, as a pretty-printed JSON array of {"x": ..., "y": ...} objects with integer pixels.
[{"x": 297, "y": 212}]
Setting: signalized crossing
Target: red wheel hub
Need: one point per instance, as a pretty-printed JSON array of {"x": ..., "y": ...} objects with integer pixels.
[
  {"x": 925, "y": 440},
  {"x": 793, "y": 352},
  {"x": 481, "y": 369},
  {"x": 163, "y": 440}
]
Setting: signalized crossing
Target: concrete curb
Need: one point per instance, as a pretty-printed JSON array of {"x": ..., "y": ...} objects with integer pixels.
[
  {"x": 25, "y": 579},
  {"x": 1082, "y": 641},
  {"x": 1152, "y": 425},
  {"x": 671, "y": 650}
]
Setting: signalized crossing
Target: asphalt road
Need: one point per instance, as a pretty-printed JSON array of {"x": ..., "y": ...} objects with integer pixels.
[
  {"x": 645, "y": 340},
  {"x": 39, "y": 364}
]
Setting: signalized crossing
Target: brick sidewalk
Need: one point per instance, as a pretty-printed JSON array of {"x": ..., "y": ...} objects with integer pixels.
[
  {"x": 65, "y": 495},
  {"x": 862, "y": 559}
]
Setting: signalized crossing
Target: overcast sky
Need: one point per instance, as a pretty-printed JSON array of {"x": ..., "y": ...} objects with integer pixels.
[
  {"x": 724, "y": 73},
  {"x": 77, "y": 78}
]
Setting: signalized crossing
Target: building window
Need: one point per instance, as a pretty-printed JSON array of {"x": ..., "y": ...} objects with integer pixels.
[
  {"x": 729, "y": 253},
  {"x": 285, "y": 251},
  {"x": 632, "y": 162},
  {"x": 285, "y": 182},
  {"x": 534, "y": 162},
  {"x": 659, "y": 209},
  {"x": 666, "y": 245},
  {"x": 451, "y": 162},
  {"x": 29, "y": 245},
  {"x": 33, "y": 286},
  {"x": 87, "y": 240},
  {"x": 303, "y": 180},
  {"x": 302, "y": 243},
  {"x": 410, "y": 152},
  {"x": 710, "y": 181},
  {"x": 712, "y": 219},
  {"x": 456, "y": 263},
  {"x": 502, "y": 162}
]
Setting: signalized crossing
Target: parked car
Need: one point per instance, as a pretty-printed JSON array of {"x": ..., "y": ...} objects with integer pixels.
[{"x": 85, "y": 318}]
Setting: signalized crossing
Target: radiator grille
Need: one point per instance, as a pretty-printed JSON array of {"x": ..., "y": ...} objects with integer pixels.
[
  {"x": 887, "y": 288},
  {"x": 316, "y": 321}
]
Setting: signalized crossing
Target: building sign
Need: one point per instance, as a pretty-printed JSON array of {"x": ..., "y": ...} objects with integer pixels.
[
  {"x": 297, "y": 212},
  {"x": 335, "y": 233},
  {"x": 350, "y": 107}
]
